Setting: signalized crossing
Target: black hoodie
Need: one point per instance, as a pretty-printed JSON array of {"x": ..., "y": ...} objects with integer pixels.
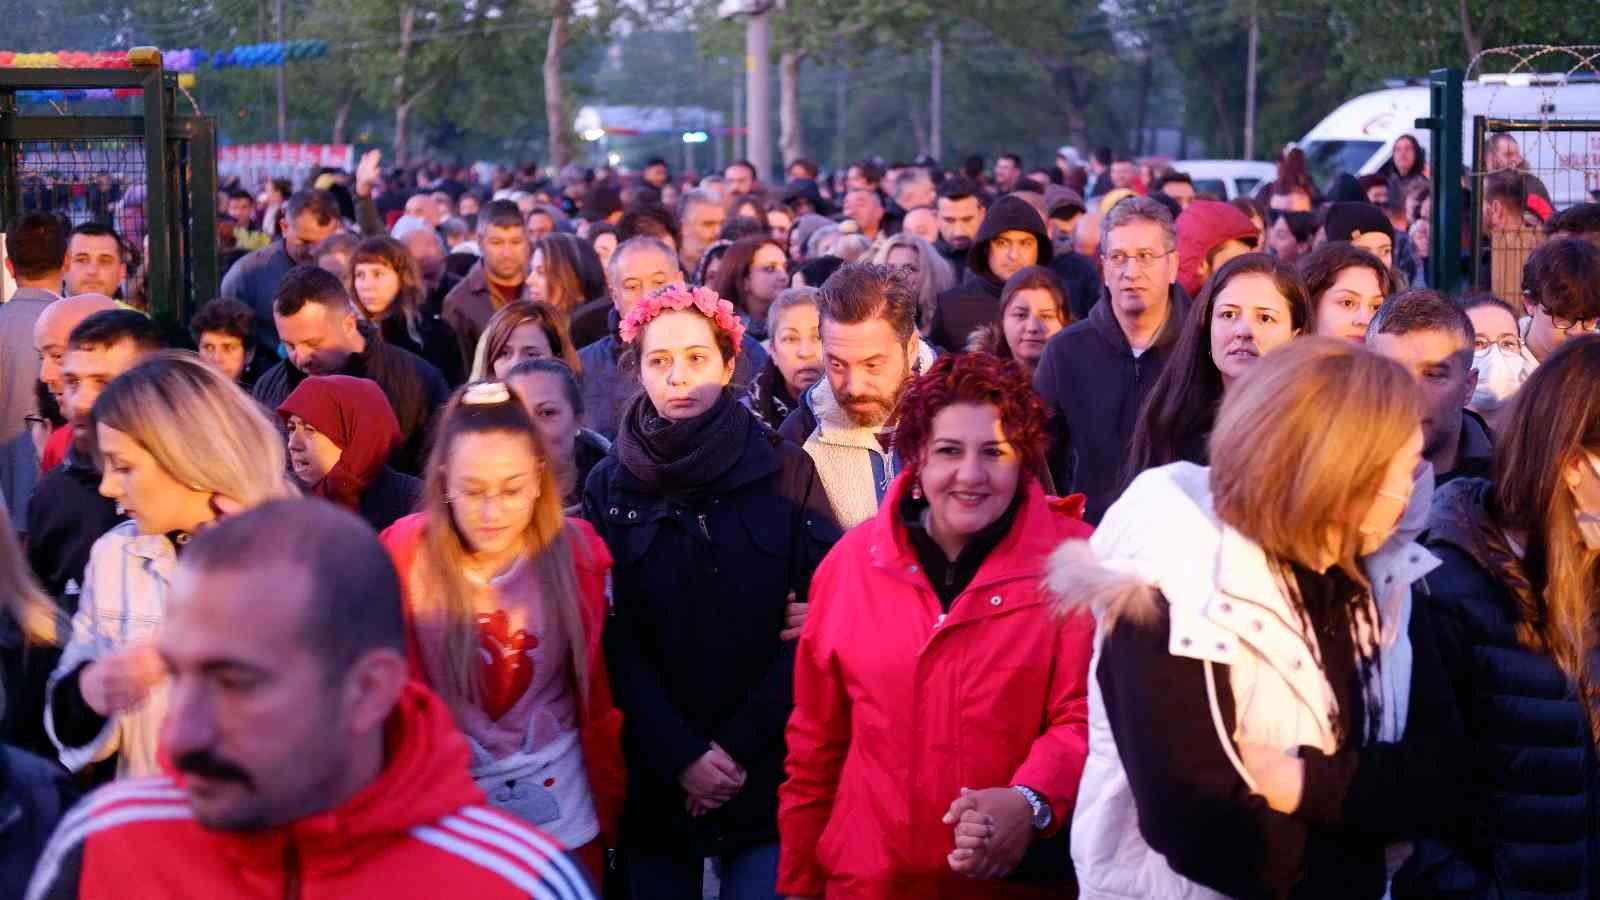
[{"x": 975, "y": 301}]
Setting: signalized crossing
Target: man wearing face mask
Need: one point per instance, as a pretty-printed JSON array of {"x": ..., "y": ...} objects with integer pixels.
[{"x": 1434, "y": 340}]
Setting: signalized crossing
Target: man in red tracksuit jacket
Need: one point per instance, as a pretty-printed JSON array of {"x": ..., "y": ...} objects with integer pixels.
[{"x": 302, "y": 762}]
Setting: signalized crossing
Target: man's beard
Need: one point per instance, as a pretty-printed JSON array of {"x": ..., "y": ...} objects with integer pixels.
[{"x": 882, "y": 407}]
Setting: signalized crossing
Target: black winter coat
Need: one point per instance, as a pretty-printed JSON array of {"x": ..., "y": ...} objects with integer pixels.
[
  {"x": 66, "y": 514},
  {"x": 24, "y": 669},
  {"x": 699, "y": 588},
  {"x": 1080, "y": 278},
  {"x": 1093, "y": 388},
  {"x": 389, "y": 497},
  {"x": 34, "y": 795},
  {"x": 439, "y": 345},
  {"x": 413, "y": 385},
  {"x": 1535, "y": 827}
]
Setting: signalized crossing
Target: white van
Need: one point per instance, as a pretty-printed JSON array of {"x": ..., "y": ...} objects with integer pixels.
[
  {"x": 1359, "y": 136},
  {"x": 1227, "y": 178}
]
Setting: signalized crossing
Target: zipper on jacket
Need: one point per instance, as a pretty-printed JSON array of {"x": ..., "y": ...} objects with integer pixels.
[
  {"x": 703, "y": 527},
  {"x": 291, "y": 873}
]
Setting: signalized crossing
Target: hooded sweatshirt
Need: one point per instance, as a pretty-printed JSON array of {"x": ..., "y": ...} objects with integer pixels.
[
  {"x": 418, "y": 829},
  {"x": 354, "y": 414},
  {"x": 1202, "y": 228},
  {"x": 976, "y": 300}
]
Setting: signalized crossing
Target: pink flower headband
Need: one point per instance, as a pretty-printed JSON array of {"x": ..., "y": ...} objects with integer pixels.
[{"x": 677, "y": 297}]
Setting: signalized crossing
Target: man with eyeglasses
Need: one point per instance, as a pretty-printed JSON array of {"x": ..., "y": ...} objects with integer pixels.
[
  {"x": 1561, "y": 293},
  {"x": 1436, "y": 342},
  {"x": 1094, "y": 375}
]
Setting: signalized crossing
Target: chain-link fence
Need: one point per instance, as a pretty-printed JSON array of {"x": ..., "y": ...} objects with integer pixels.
[{"x": 1535, "y": 146}]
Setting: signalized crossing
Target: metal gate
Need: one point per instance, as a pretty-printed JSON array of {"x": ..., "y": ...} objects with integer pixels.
[{"x": 151, "y": 175}]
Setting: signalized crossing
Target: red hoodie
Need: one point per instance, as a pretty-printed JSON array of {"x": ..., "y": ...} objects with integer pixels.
[
  {"x": 1202, "y": 228},
  {"x": 420, "y": 829}
]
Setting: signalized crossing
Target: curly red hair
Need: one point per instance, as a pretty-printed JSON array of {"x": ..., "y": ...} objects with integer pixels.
[{"x": 976, "y": 378}]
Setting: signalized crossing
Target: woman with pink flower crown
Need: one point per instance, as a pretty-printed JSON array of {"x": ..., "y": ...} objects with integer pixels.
[{"x": 715, "y": 524}]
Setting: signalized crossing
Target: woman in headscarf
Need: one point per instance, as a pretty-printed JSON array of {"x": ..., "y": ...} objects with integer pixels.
[{"x": 341, "y": 432}]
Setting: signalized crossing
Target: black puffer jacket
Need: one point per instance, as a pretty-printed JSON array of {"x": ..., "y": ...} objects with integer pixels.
[
  {"x": 1534, "y": 831},
  {"x": 976, "y": 300},
  {"x": 700, "y": 584}
]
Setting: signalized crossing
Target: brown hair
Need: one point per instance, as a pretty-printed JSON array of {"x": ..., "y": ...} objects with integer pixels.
[
  {"x": 736, "y": 265},
  {"x": 387, "y": 251},
  {"x": 1182, "y": 406},
  {"x": 859, "y": 292},
  {"x": 573, "y": 274},
  {"x": 41, "y": 621},
  {"x": 497, "y": 334},
  {"x": 437, "y": 586},
  {"x": 1320, "y": 268},
  {"x": 1555, "y": 420}
]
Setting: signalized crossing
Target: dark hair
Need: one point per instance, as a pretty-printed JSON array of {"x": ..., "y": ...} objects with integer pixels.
[
  {"x": 283, "y": 186},
  {"x": 817, "y": 270},
  {"x": 97, "y": 229},
  {"x": 1252, "y": 210},
  {"x": 225, "y": 315},
  {"x": 737, "y": 201},
  {"x": 859, "y": 292},
  {"x": 976, "y": 378},
  {"x": 551, "y": 366},
  {"x": 960, "y": 187},
  {"x": 320, "y": 205},
  {"x": 806, "y": 165},
  {"x": 572, "y": 270},
  {"x": 599, "y": 228},
  {"x": 113, "y": 326},
  {"x": 654, "y": 161},
  {"x": 746, "y": 164},
  {"x": 1417, "y": 166},
  {"x": 499, "y": 214},
  {"x": 1320, "y": 268},
  {"x": 871, "y": 172},
  {"x": 1027, "y": 278},
  {"x": 1176, "y": 420},
  {"x": 1015, "y": 159},
  {"x": 736, "y": 267},
  {"x": 1506, "y": 186},
  {"x": 1562, "y": 275},
  {"x": 1170, "y": 176},
  {"x": 1102, "y": 155},
  {"x": 737, "y": 229},
  {"x": 341, "y": 243},
  {"x": 650, "y": 220},
  {"x": 1303, "y": 225},
  {"x": 1292, "y": 175},
  {"x": 1471, "y": 302},
  {"x": 241, "y": 194},
  {"x": 1423, "y": 309},
  {"x": 351, "y": 588},
  {"x": 309, "y": 284},
  {"x": 37, "y": 245},
  {"x": 1577, "y": 220}
]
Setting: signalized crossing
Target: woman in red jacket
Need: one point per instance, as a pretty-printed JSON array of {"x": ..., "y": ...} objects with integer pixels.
[
  {"x": 941, "y": 716},
  {"x": 505, "y": 600}
]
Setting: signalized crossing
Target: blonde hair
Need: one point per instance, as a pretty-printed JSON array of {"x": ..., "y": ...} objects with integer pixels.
[
  {"x": 934, "y": 273},
  {"x": 1302, "y": 440},
  {"x": 40, "y": 618},
  {"x": 199, "y": 426},
  {"x": 436, "y": 582}
]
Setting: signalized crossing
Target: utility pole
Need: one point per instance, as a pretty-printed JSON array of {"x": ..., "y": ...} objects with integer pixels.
[
  {"x": 936, "y": 101},
  {"x": 283, "y": 109},
  {"x": 758, "y": 89},
  {"x": 1250, "y": 86}
]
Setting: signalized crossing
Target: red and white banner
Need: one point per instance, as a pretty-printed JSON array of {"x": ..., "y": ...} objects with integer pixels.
[{"x": 254, "y": 163}]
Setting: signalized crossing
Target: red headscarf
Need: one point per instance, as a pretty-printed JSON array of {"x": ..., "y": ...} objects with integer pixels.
[{"x": 356, "y": 416}]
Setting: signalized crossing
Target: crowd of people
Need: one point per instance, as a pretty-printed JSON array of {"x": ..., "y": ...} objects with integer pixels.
[{"x": 997, "y": 533}]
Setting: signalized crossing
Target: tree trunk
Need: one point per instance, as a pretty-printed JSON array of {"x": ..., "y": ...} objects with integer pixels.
[
  {"x": 1472, "y": 40},
  {"x": 791, "y": 144},
  {"x": 557, "y": 122},
  {"x": 919, "y": 131},
  {"x": 402, "y": 103},
  {"x": 342, "y": 118}
]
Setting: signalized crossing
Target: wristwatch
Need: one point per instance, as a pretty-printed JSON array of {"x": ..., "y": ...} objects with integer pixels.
[{"x": 1041, "y": 807}]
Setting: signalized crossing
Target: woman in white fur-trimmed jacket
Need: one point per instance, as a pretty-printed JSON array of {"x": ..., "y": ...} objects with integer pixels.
[{"x": 1266, "y": 719}]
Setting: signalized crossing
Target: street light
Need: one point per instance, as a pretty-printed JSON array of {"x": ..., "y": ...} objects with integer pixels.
[
  {"x": 594, "y": 134},
  {"x": 695, "y": 137}
]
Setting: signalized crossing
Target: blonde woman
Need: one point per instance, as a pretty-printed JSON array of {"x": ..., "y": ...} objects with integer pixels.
[
  {"x": 506, "y": 599},
  {"x": 180, "y": 446},
  {"x": 30, "y": 634},
  {"x": 1260, "y": 667},
  {"x": 931, "y": 274}
]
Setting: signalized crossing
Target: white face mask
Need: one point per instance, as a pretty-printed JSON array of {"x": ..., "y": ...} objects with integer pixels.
[
  {"x": 1500, "y": 374},
  {"x": 1373, "y": 539}
]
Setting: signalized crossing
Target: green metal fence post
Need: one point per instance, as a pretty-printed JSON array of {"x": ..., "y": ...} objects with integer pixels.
[
  {"x": 1445, "y": 123},
  {"x": 158, "y": 269},
  {"x": 202, "y": 134},
  {"x": 10, "y": 203}
]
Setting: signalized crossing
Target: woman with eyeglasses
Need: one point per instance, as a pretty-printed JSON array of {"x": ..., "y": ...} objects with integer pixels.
[
  {"x": 715, "y": 523},
  {"x": 1498, "y": 356},
  {"x": 505, "y": 602}
]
